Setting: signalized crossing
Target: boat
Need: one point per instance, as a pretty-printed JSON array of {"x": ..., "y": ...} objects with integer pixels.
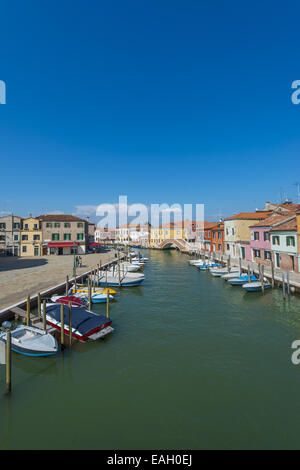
[
  {"x": 195, "y": 262},
  {"x": 68, "y": 299},
  {"x": 95, "y": 290},
  {"x": 218, "y": 272},
  {"x": 125, "y": 280},
  {"x": 140, "y": 259},
  {"x": 31, "y": 341},
  {"x": 256, "y": 286},
  {"x": 239, "y": 281},
  {"x": 126, "y": 266},
  {"x": 86, "y": 325},
  {"x": 230, "y": 275}
]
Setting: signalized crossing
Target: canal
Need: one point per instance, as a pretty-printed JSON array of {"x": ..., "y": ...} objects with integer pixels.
[{"x": 193, "y": 363}]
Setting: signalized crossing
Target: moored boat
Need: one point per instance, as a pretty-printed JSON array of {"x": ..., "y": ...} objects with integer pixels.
[
  {"x": 86, "y": 325},
  {"x": 218, "y": 272},
  {"x": 256, "y": 286},
  {"x": 125, "y": 279},
  {"x": 31, "y": 341},
  {"x": 239, "y": 281}
]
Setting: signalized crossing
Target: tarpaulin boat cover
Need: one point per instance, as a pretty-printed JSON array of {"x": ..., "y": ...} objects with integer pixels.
[{"x": 82, "y": 321}]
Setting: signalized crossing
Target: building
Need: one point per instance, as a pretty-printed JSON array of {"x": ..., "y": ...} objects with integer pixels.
[
  {"x": 31, "y": 237},
  {"x": 284, "y": 245},
  {"x": 169, "y": 230},
  {"x": 217, "y": 239},
  {"x": 64, "y": 234},
  {"x": 10, "y": 228},
  {"x": 260, "y": 243},
  {"x": 104, "y": 234},
  {"x": 237, "y": 232}
]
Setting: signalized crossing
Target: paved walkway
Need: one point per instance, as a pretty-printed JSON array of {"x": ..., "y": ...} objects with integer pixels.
[{"x": 22, "y": 276}]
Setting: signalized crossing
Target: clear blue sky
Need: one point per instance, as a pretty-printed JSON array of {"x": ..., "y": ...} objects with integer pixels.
[{"x": 164, "y": 101}]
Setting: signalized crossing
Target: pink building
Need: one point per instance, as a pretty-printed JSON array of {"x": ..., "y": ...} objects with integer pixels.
[{"x": 260, "y": 245}]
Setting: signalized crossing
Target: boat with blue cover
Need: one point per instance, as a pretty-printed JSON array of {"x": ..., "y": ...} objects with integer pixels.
[
  {"x": 86, "y": 325},
  {"x": 239, "y": 281},
  {"x": 256, "y": 286}
]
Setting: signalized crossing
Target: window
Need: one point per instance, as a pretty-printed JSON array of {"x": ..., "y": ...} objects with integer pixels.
[
  {"x": 56, "y": 224},
  {"x": 35, "y": 226},
  {"x": 267, "y": 255},
  {"x": 2, "y": 238},
  {"x": 256, "y": 235},
  {"x": 2, "y": 225},
  {"x": 228, "y": 247},
  {"x": 243, "y": 252},
  {"x": 16, "y": 238},
  {"x": 17, "y": 225},
  {"x": 49, "y": 225},
  {"x": 36, "y": 237},
  {"x": 26, "y": 226},
  {"x": 67, "y": 236},
  {"x": 24, "y": 237},
  {"x": 80, "y": 224},
  {"x": 227, "y": 231},
  {"x": 55, "y": 236},
  {"x": 24, "y": 249},
  {"x": 67, "y": 225},
  {"x": 275, "y": 240},
  {"x": 257, "y": 253},
  {"x": 266, "y": 236},
  {"x": 277, "y": 260},
  {"x": 219, "y": 235},
  {"x": 232, "y": 231},
  {"x": 290, "y": 241},
  {"x": 79, "y": 236},
  {"x": 219, "y": 247}
]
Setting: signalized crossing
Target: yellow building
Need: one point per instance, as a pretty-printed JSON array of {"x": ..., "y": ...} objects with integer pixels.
[
  {"x": 167, "y": 231},
  {"x": 31, "y": 237}
]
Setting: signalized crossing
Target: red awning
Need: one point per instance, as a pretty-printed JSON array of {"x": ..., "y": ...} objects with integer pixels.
[
  {"x": 95, "y": 244},
  {"x": 62, "y": 244}
]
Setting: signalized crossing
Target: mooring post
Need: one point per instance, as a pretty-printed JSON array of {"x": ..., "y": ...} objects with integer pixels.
[
  {"x": 119, "y": 273},
  {"x": 240, "y": 266},
  {"x": 106, "y": 278},
  {"x": 262, "y": 279},
  {"x": 8, "y": 362},
  {"x": 288, "y": 282},
  {"x": 283, "y": 286},
  {"x": 98, "y": 275},
  {"x": 67, "y": 285},
  {"x": 70, "y": 325},
  {"x": 39, "y": 305},
  {"x": 107, "y": 304},
  {"x": 272, "y": 273},
  {"x": 90, "y": 293},
  {"x": 62, "y": 327},
  {"x": 44, "y": 316},
  {"x": 28, "y": 311},
  {"x": 249, "y": 274},
  {"x": 75, "y": 284}
]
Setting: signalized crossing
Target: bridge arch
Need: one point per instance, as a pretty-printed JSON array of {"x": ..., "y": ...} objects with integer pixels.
[{"x": 173, "y": 242}]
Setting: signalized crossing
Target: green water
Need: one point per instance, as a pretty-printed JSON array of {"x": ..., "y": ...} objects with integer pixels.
[{"x": 192, "y": 363}]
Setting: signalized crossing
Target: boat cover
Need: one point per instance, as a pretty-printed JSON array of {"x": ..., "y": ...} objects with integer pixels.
[{"x": 82, "y": 320}]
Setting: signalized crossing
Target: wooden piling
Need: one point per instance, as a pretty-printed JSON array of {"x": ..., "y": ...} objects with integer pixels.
[
  {"x": 288, "y": 282},
  {"x": 70, "y": 325},
  {"x": 283, "y": 285},
  {"x": 67, "y": 285},
  {"x": 39, "y": 305},
  {"x": 8, "y": 362},
  {"x": 272, "y": 273},
  {"x": 240, "y": 266},
  {"x": 107, "y": 304},
  {"x": 44, "y": 316},
  {"x": 75, "y": 284},
  {"x": 90, "y": 293},
  {"x": 249, "y": 273},
  {"x": 62, "y": 325},
  {"x": 262, "y": 279},
  {"x": 28, "y": 311}
]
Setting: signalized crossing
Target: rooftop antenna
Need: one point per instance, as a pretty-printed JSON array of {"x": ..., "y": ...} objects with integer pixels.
[{"x": 298, "y": 190}]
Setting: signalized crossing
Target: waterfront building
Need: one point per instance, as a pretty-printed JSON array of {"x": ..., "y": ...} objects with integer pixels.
[
  {"x": 205, "y": 236},
  {"x": 10, "y": 227},
  {"x": 64, "y": 234},
  {"x": 237, "y": 232},
  {"x": 104, "y": 234},
  {"x": 284, "y": 245},
  {"x": 31, "y": 237},
  {"x": 217, "y": 238},
  {"x": 260, "y": 243}
]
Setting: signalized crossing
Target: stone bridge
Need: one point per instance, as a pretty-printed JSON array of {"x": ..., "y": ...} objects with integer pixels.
[{"x": 179, "y": 243}]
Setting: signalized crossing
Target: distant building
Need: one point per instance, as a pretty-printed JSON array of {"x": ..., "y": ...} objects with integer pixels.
[
  {"x": 64, "y": 234},
  {"x": 10, "y": 227},
  {"x": 284, "y": 245},
  {"x": 31, "y": 237}
]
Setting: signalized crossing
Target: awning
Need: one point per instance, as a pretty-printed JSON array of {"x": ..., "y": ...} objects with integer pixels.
[
  {"x": 62, "y": 244},
  {"x": 95, "y": 244}
]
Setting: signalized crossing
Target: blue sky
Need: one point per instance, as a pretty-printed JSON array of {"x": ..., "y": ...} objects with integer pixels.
[{"x": 162, "y": 101}]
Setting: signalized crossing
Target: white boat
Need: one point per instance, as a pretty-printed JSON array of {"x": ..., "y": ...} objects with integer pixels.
[
  {"x": 256, "y": 286},
  {"x": 196, "y": 262},
  {"x": 139, "y": 259},
  {"x": 126, "y": 266},
  {"x": 218, "y": 272},
  {"x": 31, "y": 341},
  {"x": 230, "y": 275},
  {"x": 125, "y": 280}
]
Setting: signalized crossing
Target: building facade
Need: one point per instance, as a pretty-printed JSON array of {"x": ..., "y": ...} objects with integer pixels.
[
  {"x": 10, "y": 230},
  {"x": 284, "y": 245},
  {"x": 31, "y": 238},
  {"x": 64, "y": 234}
]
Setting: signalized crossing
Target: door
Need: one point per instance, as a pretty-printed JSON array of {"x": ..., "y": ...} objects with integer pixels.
[
  {"x": 36, "y": 251},
  {"x": 60, "y": 251},
  {"x": 277, "y": 260}
]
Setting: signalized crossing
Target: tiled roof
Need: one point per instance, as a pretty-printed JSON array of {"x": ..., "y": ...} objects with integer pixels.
[
  {"x": 273, "y": 219},
  {"x": 250, "y": 215},
  {"x": 60, "y": 218},
  {"x": 290, "y": 225}
]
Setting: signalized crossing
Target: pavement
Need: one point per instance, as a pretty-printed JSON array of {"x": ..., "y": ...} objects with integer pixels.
[{"x": 22, "y": 276}]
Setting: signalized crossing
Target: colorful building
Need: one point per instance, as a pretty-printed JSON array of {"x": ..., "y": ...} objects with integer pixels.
[
  {"x": 10, "y": 228},
  {"x": 217, "y": 238},
  {"x": 237, "y": 232},
  {"x": 64, "y": 234},
  {"x": 31, "y": 237},
  {"x": 284, "y": 245}
]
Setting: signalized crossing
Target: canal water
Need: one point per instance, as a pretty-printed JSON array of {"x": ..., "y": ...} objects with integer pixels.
[{"x": 193, "y": 363}]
